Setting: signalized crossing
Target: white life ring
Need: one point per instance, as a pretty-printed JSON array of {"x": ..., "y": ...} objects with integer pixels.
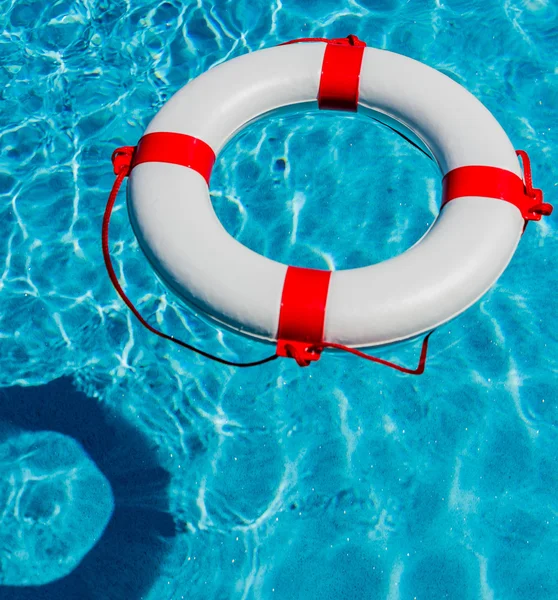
[{"x": 452, "y": 266}]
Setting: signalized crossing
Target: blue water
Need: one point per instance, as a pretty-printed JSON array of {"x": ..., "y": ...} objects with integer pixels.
[{"x": 133, "y": 469}]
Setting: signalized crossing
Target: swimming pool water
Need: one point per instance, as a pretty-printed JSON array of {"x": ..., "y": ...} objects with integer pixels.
[{"x": 344, "y": 480}]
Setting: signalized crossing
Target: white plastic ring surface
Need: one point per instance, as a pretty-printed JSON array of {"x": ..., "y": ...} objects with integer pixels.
[{"x": 451, "y": 267}]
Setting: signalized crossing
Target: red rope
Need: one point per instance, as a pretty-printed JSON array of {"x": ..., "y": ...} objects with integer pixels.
[
  {"x": 538, "y": 208},
  {"x": 350, "y": 40},
  {"x": 418, "y": 371},
  {"x": 121, "y": 159},
  {"x": 304, "y": 40},
  {"x": 528, "y": 177}
]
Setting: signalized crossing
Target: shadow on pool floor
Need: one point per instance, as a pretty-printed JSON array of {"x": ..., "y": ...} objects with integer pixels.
[{"x": 125, "y": 561}]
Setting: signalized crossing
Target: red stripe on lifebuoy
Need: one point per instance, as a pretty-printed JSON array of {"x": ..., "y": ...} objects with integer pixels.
[
  {"x": 177, "y": 149},
  {"x": 340, "y": 79},
  {"x": 302, "y": 316},
  {"x": 493, "y": 182}
]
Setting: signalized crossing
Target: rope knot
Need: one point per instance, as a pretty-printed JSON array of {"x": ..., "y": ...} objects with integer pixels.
[
  {"x": 350, "y": 40},
  {"x": 303, "y": 352},
  {"x": 122, "y": 160},
  {"x": 536, "y": 209}
]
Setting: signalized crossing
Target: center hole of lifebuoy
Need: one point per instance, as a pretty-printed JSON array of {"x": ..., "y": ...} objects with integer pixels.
[{"x": 324, "y": 190}]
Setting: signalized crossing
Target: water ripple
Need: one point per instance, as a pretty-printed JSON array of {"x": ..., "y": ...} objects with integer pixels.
[{"x": 343, "y": 480}]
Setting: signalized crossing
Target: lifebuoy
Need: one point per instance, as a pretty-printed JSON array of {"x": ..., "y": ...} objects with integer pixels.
[{"x": 485, "y": 204}]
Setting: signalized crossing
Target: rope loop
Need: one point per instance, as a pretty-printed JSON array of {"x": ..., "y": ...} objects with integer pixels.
[{"x": 537, "y": 208}]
